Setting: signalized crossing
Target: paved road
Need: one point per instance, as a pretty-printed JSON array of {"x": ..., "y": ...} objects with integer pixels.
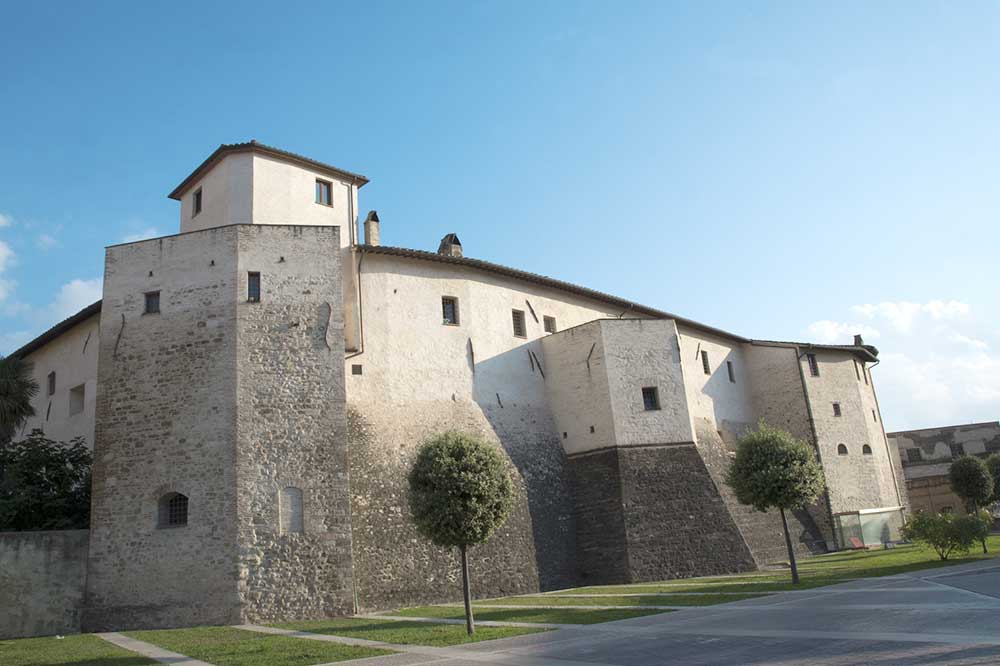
[{"x": 948, "y": 616}]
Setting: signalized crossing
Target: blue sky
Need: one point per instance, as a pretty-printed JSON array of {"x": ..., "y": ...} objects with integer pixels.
[{"x": 781, "y": 170}]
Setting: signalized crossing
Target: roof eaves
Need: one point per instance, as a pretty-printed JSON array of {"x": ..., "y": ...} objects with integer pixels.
[
  {"x": 263, "y": 149},
  {"x": 57, "y": 330},
  {"x": 545, "y": 281}
]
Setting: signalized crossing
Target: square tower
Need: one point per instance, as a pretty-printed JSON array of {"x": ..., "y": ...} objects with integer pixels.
[{"x": 220, "y": 490}]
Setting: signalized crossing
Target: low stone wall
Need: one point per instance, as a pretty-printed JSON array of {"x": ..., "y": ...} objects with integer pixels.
[{"x": 42, "y": 579}]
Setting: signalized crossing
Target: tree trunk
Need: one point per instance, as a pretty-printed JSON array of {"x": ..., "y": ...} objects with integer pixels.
[
  {"x": 975, "y": 512},
  {"x": 470, "y": 625},
  {"x": 791, "y": 551}
]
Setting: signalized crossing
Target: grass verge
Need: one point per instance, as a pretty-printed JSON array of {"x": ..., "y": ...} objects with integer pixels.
[
  {"x": 76, "y": 650},
  {"x": 814, "y": 572},
  {"x": 543, "y": 615},
  {"x": 228, "y": 646},
  {"x": 651, "y": 600},
  {"x": 403, "y": 632}
]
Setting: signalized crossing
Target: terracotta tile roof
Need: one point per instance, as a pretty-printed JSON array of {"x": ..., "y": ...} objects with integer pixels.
[{"x": 270, "y": 151}]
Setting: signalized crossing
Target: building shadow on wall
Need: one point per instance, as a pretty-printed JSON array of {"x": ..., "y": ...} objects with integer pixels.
[{"x": 509, "y": 388}]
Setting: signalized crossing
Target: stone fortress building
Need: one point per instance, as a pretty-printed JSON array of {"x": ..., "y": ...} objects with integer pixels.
[{"x": 256, "y": 386}]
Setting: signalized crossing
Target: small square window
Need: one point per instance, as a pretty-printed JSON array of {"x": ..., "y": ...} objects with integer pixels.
[
  {"x": 731, "y": 371},
  {"x": 152, "y": 302},
  {"x": 704, "y": 363},
  {"x": 813, "y": 365},
  {"x": 324, "y": 192},
  {"x": 52, "y": 383},
  {"x": 650, "y": 398},
  {"x": 355, "y": 369},
  {"x": 519, "y": 329},
  {"x": 836, "y": 409},
  {"x": 449, "y": 310},
  {"x": 253, "y": 287},
  {"x": 549, "y": 324},
  {"x": 196, "y": 202},
  {"x": 914, "y": 455}
]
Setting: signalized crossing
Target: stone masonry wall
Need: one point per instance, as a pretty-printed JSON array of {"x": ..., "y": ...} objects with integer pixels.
[
  {"x": 602, "y": 551},
  {"x": 394, "y": 566},
  {"x": 166, "y": 423},
  {"x": 676, "y": 523},
  {"x": 291, "y": 425},
  {"x": 42, "y": 576}
]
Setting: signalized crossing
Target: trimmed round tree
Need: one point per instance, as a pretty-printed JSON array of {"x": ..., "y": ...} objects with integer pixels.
[
  {"x": 971, "y": 480},
  {"x": 772, "y": 469},
  {"x": 460, "y": 493}
]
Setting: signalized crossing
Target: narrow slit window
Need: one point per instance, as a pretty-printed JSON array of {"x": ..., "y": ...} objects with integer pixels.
[
  {"x": 449, "y": 310},
  {"x": 520, "y": 330},
  {"x": 253, "y": 287},
  {"x": 856, "y": 371},
  {"x": 324, "y": 192},
  {"x": 196, "y": 202},
  {"x": 836, "y": 409},
  {"x": 650, "y": 398},
  {"x": 52, "y": 383},
  {"x": 731, "y": 371},
  {"x": 704, "y": 363},
  {"x": 152, "y": 305},
  {"x": 864, "y": 374},
  {"x": 874, "y": 417},
  {"x": 813, "y": 365},
  {"x": 550, "y": 324},
  {"x": 291, "y": 510}
]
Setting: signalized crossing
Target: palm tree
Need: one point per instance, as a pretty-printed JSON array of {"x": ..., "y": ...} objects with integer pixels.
[{"x": 17, "y": 388}]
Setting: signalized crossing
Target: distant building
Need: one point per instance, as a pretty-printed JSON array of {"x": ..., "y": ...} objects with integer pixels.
[
  {"x": 927, "y": 454},
  {"x": 257, "y": 385}
]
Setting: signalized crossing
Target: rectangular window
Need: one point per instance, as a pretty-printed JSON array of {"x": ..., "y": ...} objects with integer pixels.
[
  {"x": 836, "y": 409},
  {"x": 650, "y": 398},
  {"x": 957, "y": 450},
  {"x": 196, "y": 202},
  {"x": 77, "y": 396},
  {"x": 449, "y": 310},
  {"x": 152, "y": 302},
  {"x": 253, "y": 287},
  {"x": 324, "y": 192},
  {"x": 731, "y": 371},
  {"x": 914, "y": 455},
  {"x": 813, "y": 365},
  {"x": 519, "y": 328},
  {"x": 52, "y": 383},
  {"x": 550, "y": 324},
  {"x": 704, "y": 363}
]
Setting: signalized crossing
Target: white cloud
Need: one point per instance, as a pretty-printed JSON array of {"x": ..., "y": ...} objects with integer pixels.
[
  {"x": 936, "y": 365},
  {"x": 73, "y": 297},
  {"x": 901, "y": 314},
  {"x": 147, "y": 233},
  {"x": 46, "y": 241},
  {"x": 826, "y": 331},
  {"x": 6, "y": 256},
  {"x": 5, "y": 220}
]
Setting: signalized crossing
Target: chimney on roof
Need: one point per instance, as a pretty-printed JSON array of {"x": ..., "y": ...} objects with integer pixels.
[
  {"x": 858, "y": 342},
  {"x": 450, "y": 246},
  {"x": 371, "y": 228}
]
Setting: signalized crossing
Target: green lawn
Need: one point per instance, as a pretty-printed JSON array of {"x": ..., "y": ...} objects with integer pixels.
[
  {"x": 814, "y": 572},
  {"x": 228, "y": 646},
  {"x": 403, "y": 631},
  {"x": 543, "y": 615},
  {"x": 76, "y": 650},
  {"x": 648, "y": 600}
]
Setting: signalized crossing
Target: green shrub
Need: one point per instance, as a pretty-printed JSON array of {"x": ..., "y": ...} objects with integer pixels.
[{"x": 947, "y": 533}]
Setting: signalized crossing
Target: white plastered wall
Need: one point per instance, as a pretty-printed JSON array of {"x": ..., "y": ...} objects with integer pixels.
[{"x": 73, "y": 357}]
